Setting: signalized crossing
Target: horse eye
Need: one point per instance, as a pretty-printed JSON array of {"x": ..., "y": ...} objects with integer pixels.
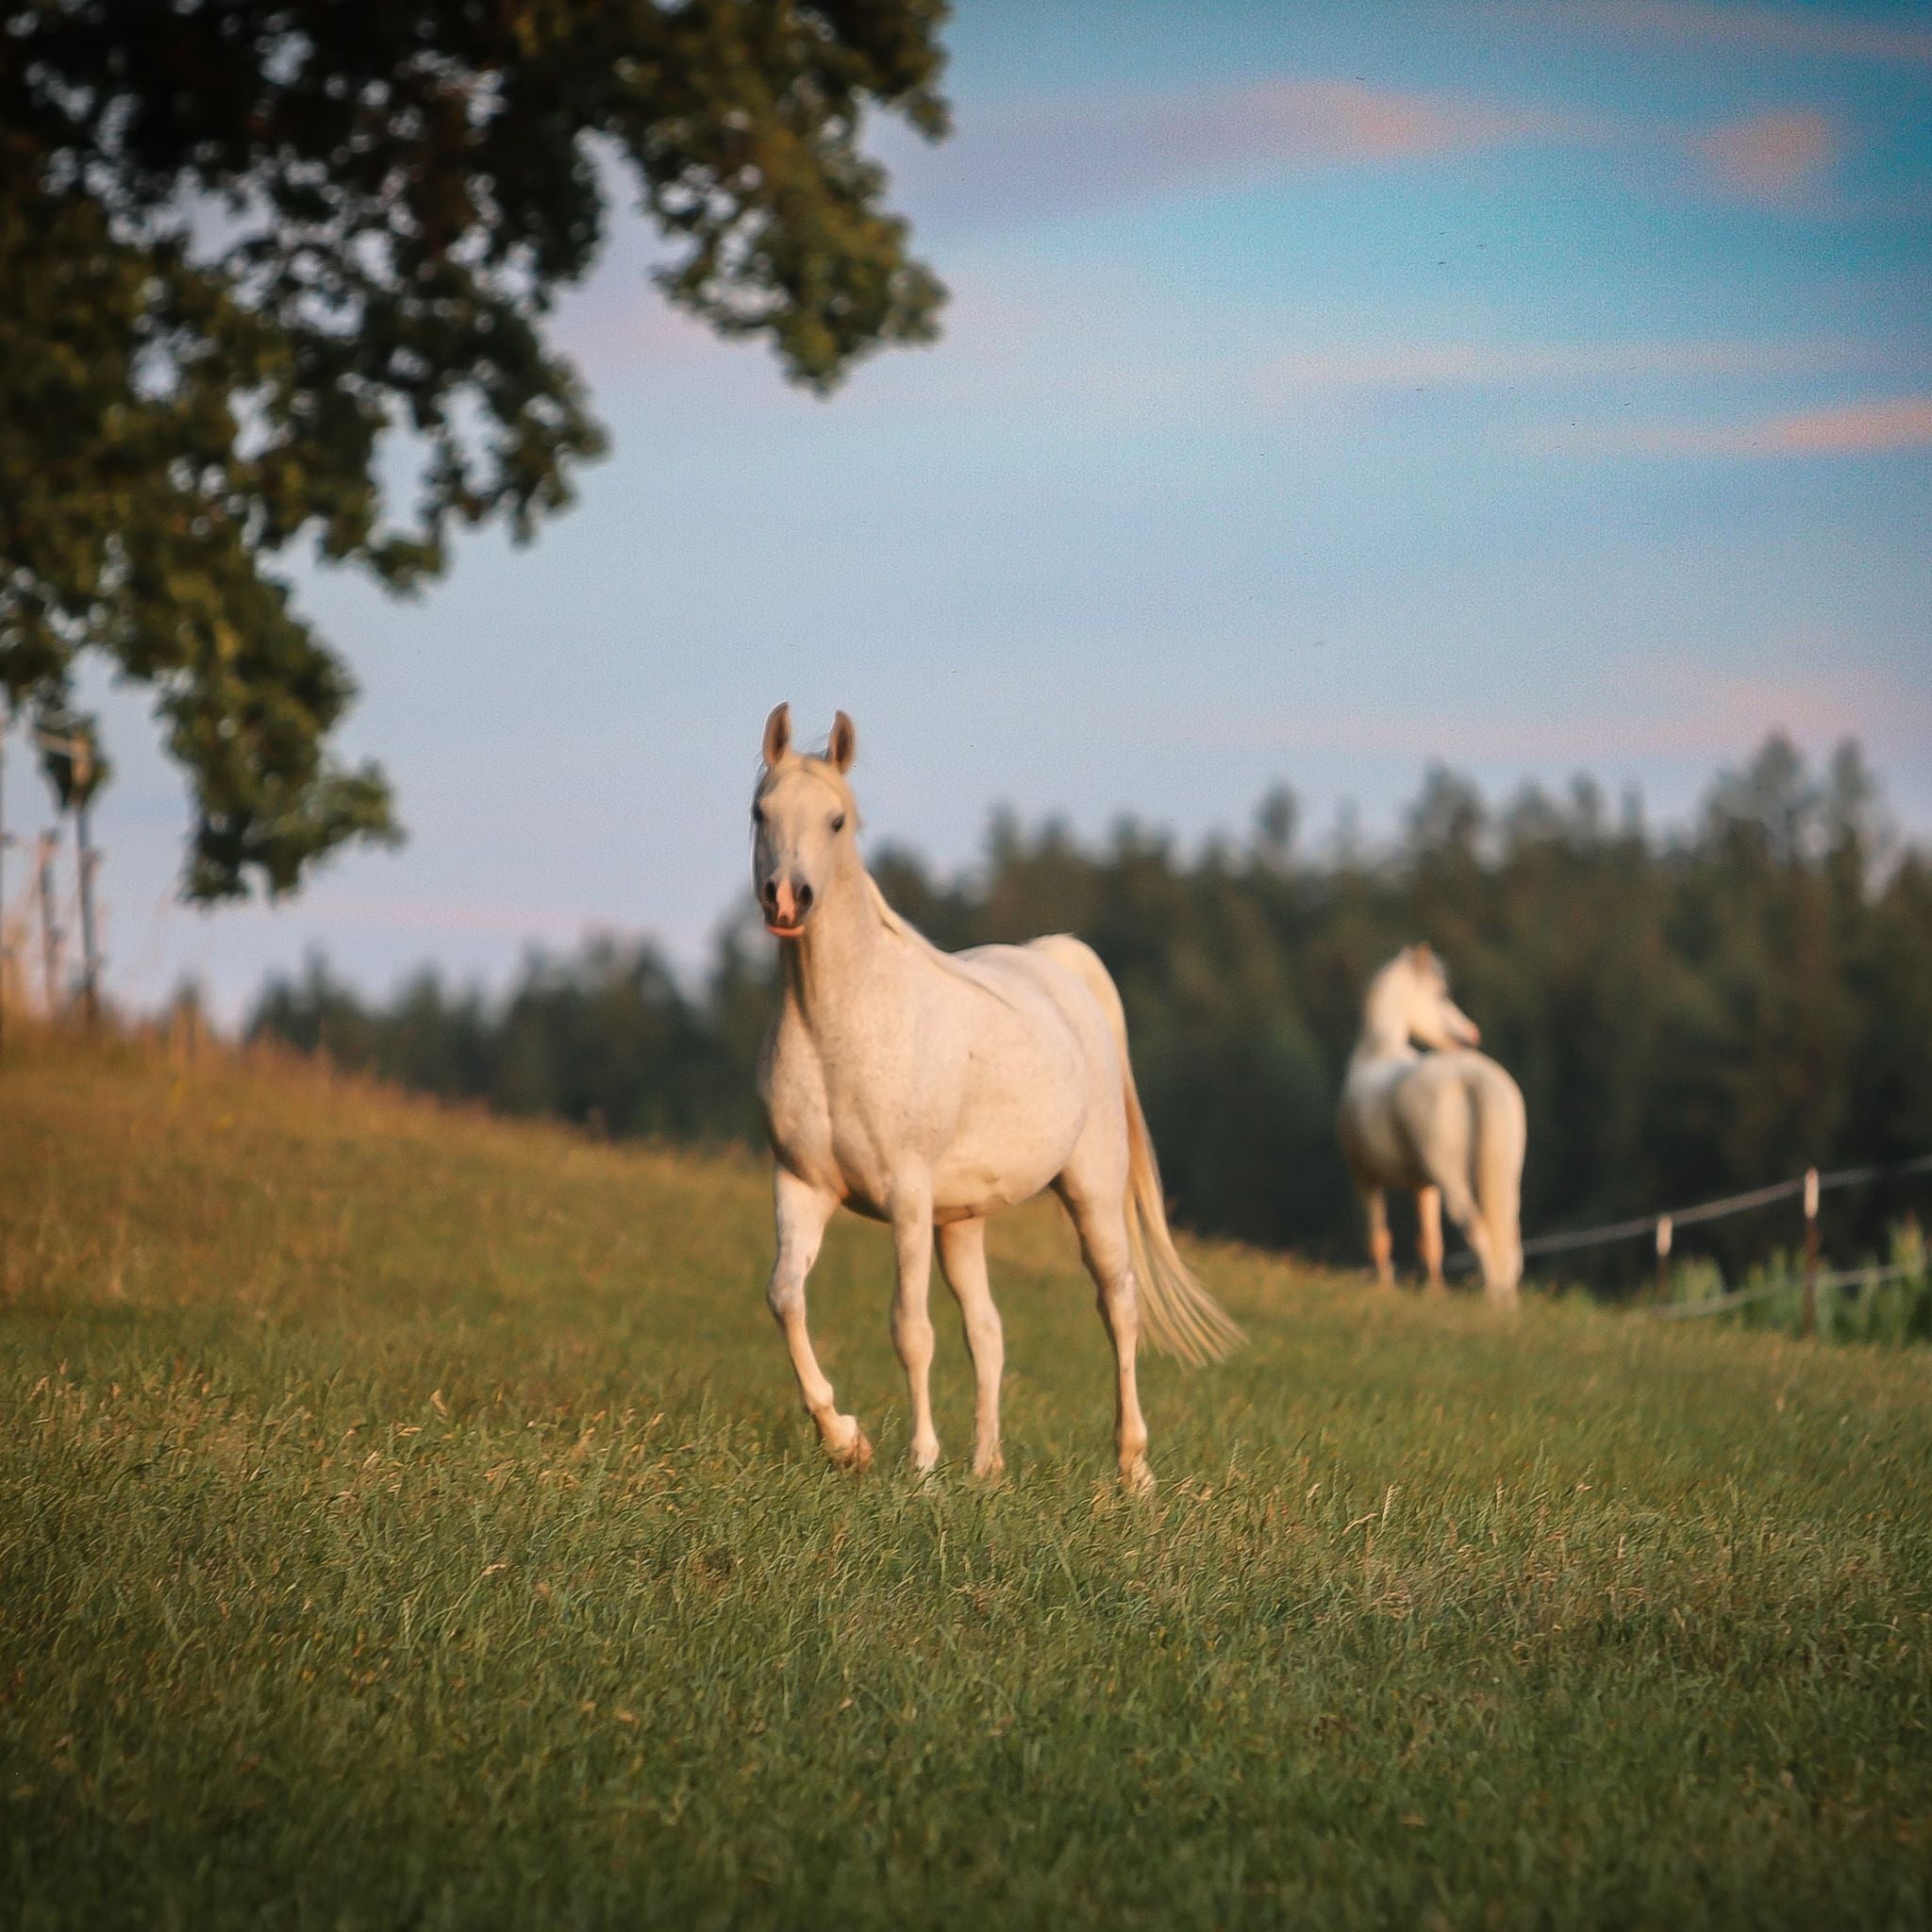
[{"x": 839, "y": 822}]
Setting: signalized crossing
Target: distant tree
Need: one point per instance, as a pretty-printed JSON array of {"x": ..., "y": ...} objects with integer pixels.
[
  {"x": 245, "y": 244},
  {"x": 1276, "y": 819},
  {"x": 1688, "y": 1016}
]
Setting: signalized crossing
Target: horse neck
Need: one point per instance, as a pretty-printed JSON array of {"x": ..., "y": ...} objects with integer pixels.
[
  {"x": 829, "y": 969},
  {"x": 1385, "y": 1029}
]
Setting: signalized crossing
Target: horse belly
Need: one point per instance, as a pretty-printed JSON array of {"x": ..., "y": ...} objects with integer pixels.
[
  {"x": 1014, "y": 1133},
  {"x": 1377, "y": 1143},
  {"x": 1432, "y": 1116}
]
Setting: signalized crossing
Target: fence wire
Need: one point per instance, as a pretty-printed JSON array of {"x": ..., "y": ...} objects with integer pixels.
[{"x": 1715, "y": 1210}]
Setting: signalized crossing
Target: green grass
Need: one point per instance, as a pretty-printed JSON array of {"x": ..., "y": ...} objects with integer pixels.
[{"x": 408, "y": 1521}]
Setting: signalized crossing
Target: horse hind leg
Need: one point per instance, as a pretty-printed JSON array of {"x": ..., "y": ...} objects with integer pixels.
[
  {"x": 1100, "y": 1218},
  {"x": 962, "y": 1255},
  {"x": 1462, "y": 1209},
  {"x": 801, "y": 1213}
]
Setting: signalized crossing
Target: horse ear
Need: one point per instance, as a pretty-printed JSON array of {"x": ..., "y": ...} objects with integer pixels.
[
  {"x": 1420, "y": 953},
  {"x": 777, "y": 734},
  {"x": 843, "y": 745}
]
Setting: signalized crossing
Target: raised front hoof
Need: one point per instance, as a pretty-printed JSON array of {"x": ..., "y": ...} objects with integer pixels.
[
  {"x": 850, "y": 1448},
  {"x": 1137, "y": 1479}
]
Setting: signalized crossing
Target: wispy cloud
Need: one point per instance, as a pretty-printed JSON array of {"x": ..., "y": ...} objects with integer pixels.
[
  {"x": 1782, "y": 30},
  {"x": 1485, "y": 365},
  {"x": 1774, "y": 156},
  {"x": 619, "y": 321},
  {"x": 500, "y": 919},
  {"x": 1074, "y": 153},
  {"x": 1652, "y": 709},
  {"x": 1845, "y": 429}
]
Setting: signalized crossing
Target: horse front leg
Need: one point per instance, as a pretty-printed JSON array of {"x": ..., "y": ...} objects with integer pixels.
[
  {"x": 962, "y": 1254},
  {"x": 801, "y": 1212},
  {"x": 1381, "y": 1248},
  {"x": 1429, "y": 1214},
  {"x": 911, "y": 1211}
]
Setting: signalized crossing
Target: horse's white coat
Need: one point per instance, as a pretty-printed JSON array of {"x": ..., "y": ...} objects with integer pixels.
[
  {"x": 1448, "y": 1124},
  {"x": 929, "y": 1089}
]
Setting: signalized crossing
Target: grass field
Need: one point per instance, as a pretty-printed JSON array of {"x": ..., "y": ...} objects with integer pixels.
[{"x": 406, "y": 1520}]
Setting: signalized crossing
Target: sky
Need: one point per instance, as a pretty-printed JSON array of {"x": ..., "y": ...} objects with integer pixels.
[{"x": 1326, "y": 391}]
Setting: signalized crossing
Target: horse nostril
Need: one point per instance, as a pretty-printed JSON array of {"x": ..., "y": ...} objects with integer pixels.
[
  {"x": 804, "y": 898},
  {"x": 769, "y": 892}
]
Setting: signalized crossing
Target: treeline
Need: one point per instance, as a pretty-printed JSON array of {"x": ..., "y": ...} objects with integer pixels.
[{"x": 1689, "y": 1014}]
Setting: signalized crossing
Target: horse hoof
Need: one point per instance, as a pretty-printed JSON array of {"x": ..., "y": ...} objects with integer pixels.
[
  {"x": 989, "y": 1470},
  {"x": 1137, "y": 1479},
  {"x": 856, "y": 1454}
]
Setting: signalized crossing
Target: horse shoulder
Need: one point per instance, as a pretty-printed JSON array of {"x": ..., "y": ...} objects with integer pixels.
[{"x": 793, "y": 1095}]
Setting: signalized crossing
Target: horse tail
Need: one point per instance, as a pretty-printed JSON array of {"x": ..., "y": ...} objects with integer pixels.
[
  {"x": 1182, "y": 1318},
  {"x": 1501, "y": 1134}
]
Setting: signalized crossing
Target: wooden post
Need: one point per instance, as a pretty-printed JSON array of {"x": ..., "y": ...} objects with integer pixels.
[
  {"x": 1664, "y": 1234},
  {"x": 4, "y": 722},
  {"x": 50, "y": 924},
  {"x": 85, "y": 859},
  {"x": 1808, "y": 1320}
]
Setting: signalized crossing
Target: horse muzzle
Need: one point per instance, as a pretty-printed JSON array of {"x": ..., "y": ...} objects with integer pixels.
[{"x": 785, "y": 907}]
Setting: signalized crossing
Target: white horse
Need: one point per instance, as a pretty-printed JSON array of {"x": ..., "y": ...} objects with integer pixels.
[
  {"x": 928, "y": 1089},
  {"x": 1448, "y": 1124}
]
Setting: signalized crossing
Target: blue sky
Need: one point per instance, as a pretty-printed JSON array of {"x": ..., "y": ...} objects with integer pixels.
[{"x": 1324, "y": 391}]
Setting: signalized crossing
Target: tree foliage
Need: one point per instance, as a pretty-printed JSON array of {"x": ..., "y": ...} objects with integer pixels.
[
  {"x": 247, "y": 245},
  {"x": 1688, "y": 1015}
]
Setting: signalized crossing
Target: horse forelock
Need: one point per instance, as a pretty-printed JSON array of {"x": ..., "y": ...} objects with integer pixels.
[{"x": 824, "y": 770}]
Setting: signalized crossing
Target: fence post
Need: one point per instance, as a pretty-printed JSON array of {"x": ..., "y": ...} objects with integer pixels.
[
  {"x": 4, "y": 722},
  {"x": 86, "y": 860},
  {"x": 1809, "y": 1320},
  {"x": 50, "y": 922},
  {"x": 1664, "y": 1233}
]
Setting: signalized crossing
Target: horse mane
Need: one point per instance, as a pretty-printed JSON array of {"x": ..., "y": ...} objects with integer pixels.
[{"x": 901, "y": 927}]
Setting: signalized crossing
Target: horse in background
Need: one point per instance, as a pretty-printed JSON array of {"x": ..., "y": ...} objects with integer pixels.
[
  {"x": 1448, "y": 1122},
  {"x": 929, "y": 1089}
]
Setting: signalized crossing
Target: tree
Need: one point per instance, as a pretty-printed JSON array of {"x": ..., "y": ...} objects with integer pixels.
[{"x": 246, "y": 245}]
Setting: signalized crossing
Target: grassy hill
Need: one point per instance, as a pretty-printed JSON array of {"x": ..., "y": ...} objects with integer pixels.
[{"x": 405, "y": 1518}]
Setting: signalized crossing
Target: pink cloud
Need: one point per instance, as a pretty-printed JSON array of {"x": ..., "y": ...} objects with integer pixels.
[
  {"x": 1774, "y": 29},
  {"x": 1071, "y": 154},
  {"x": 619, "y": 321},
  {"x": 1845, "y": 429},
  {"x": 494, "y": 918},
  {"x": 1472, "y": 365},
  {"x": 1772, "y": 157},
  {"x": 1051, "y": 155},
  {"x": 1666, "y": 708}
]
